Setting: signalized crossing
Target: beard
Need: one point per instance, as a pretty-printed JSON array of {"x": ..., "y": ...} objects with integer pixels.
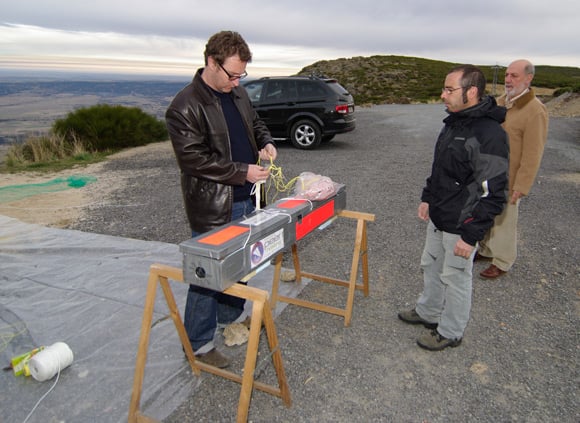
[{"x": 515, "y": 90}]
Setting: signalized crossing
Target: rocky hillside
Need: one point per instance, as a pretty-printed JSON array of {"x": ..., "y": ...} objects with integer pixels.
[
  {"x": 565, "y": 105},
  {"x": 402, "y": 79}
]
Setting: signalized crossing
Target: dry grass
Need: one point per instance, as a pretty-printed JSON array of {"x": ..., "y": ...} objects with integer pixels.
[{"x": 43, "y": 149}]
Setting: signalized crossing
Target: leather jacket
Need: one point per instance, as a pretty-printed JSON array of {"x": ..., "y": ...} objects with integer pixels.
[{"x": 199, "y": 135}]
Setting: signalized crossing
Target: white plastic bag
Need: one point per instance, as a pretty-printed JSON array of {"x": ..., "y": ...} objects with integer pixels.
[{"x": 314, "y": 187}]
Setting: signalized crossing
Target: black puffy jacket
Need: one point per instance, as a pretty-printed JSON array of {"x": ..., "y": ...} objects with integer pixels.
[
  {"x": 469, "y": 177},
  {"x": 199, "y": 134}
]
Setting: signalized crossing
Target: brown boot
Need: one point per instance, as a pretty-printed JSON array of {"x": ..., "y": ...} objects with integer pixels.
[
  {"x": 214, "y": 358},
  {"x": 433, "y": 341},
  {"x": 411, "y": 316},
  {"x": 492, "y": 272}
]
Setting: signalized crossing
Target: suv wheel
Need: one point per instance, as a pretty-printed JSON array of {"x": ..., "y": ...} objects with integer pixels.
[{"x": 305, "y": 134}]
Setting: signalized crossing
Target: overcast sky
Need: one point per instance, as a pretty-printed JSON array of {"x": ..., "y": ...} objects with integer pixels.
[{"x": 168, "y": 37}]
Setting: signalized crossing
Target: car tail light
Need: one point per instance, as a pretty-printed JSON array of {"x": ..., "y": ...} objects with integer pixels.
[{"x": 341, "y": 108}]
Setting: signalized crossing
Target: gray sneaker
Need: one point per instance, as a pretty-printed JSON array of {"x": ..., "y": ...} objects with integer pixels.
[
  {"x": 433, "y": 341},
  {"x": 411, "y": 316},
  {"x": 214, "y": 358}
]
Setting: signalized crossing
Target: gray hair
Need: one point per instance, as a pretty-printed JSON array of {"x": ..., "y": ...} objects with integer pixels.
[{"x": 529, "y": 69}]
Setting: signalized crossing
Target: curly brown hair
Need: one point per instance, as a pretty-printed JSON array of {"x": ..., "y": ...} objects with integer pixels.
[{"x": 225, "y": 44}]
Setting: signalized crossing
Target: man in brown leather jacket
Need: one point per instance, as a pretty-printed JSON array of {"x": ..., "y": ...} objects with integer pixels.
[{"x": 217, "y": 138}]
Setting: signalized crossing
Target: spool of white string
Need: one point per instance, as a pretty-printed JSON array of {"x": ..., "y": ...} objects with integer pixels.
[{"x": 50, "y": 361}]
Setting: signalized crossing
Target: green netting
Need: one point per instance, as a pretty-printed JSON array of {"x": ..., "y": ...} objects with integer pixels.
[{"x": 18, "y": 192}]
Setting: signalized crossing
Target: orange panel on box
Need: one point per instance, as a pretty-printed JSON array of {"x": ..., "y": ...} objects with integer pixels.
[
  {"x": 314, "y": 219},
  {"x": 224, "y": 235},
  {"x": 290, "y": 204}
]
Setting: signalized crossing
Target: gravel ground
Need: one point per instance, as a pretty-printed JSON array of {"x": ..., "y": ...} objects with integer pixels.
[{"x": 519, "y": 361}]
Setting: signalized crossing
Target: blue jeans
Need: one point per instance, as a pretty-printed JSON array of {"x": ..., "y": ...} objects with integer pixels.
[
  {"x": 446, "y": 297},
  {"x": 205, "y": 307}
]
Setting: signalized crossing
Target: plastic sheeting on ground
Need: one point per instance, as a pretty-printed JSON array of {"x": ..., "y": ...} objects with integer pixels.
[{"x": 88, "y": 291}]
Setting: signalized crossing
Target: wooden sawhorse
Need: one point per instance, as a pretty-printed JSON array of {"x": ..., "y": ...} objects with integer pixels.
[
  {"x": 261, "y": 310},
  {"x": 360, "y": 250}
]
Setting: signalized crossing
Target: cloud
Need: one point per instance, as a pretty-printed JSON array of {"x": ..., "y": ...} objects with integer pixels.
[{"x": 287, "y": 36}]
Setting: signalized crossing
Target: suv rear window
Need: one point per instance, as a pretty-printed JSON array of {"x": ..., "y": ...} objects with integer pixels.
[{"x": 336, "y": 87}]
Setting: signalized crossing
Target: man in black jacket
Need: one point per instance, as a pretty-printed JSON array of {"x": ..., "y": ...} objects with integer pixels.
[
  {"x": 466, "y": 190},
  {"x": 217, "y": 138}
]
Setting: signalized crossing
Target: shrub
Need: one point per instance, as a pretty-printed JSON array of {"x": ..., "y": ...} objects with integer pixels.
[
  {"x": 574, "y": 89},
  {"x": 110, "y": 128}
]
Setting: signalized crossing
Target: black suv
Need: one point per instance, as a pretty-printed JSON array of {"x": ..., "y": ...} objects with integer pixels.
[{"x": 305, "y": 109}]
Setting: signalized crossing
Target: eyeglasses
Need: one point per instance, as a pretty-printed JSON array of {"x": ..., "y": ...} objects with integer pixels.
[
  {"x": 448, "y": 91},
  {"x": 233, "y": 77}
]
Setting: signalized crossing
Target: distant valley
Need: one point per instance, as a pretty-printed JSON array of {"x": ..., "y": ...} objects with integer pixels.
[{"x": 29, "y": 106}]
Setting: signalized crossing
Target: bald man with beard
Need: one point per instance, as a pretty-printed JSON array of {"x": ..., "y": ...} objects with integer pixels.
[{"x": 526, "y": 124}]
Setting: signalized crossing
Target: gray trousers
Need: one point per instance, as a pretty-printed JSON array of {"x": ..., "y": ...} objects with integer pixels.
[{"x": 446, "y": 296}]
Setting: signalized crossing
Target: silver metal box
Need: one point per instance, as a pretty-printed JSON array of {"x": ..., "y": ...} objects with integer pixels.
[{"x": 219, "y": 258}]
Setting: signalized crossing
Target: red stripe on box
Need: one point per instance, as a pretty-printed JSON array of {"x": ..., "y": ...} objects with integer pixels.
[
  {"x": 224, "y": 235},
  {"x": 314, "y": 219},
  {"x": 290, "y": 204}
]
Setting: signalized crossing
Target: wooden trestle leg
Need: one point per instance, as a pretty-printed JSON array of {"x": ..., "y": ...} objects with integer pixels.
[
  {"x": 360, "y": 251},
  {"x": 261, "y": 310}
]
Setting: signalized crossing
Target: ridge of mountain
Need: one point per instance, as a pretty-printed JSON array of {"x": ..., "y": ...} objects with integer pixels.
[
  {"x": 31, "y": 102},
  {"x": 403, "y": 79}
]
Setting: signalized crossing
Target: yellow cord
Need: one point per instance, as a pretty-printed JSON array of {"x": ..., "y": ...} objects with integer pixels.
[{"x": 277, "y": 183}]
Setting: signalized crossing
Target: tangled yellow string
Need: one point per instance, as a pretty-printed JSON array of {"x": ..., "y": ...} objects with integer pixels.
[{"x": 277, "y": 183}]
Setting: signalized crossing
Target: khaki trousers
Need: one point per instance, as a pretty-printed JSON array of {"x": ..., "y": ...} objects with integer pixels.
[{"x": 501, "y": 241}]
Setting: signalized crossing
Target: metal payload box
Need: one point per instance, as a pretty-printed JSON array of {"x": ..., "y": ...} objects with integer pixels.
[
  {"x": 221, "y": 257},
  {"x": 308, "y": 215}
]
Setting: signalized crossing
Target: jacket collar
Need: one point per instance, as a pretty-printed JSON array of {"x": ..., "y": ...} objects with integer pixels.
[
  {"x": 206, "y": 94},
  {"x": 487, "y": 107},
  {"x": 520, "y": 101}
]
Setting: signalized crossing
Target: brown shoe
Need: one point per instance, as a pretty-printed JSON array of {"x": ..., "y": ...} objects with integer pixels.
[
  {"x": 492, "y": 272},
  {"x": 432, "y": 341},
  {"x": 411, "y": 316},
  {"x": 214, "y": 358},
  {"x": 479, "y": 257}
]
